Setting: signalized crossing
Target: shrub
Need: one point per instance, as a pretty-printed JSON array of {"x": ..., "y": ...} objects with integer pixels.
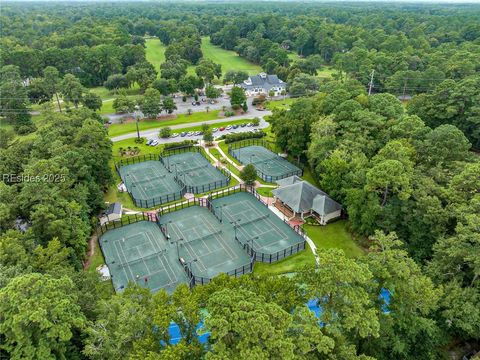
[
  {"x": 249, "y": 174},
  {"x": 180, "y": 143},
  {"x": 229, "y": 138},
  {"x": 165, "y": 132},
  {"x": 260, "y": 99},
  {"x": 140, "y": 140}
]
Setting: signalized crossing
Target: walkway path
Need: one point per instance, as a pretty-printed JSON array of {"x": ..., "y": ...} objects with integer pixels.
[{"x": 219, "y": 163}]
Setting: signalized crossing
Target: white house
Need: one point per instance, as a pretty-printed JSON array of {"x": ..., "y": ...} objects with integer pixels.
[
  {"x": 263, "y": 84},
  {"x": 298, "y": 197}
]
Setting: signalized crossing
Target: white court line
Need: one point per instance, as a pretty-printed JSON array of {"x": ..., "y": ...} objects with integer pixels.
[
  {"x": 194, "y": 252},
  {"x": 160, "y": 256},
  {"x": 124, "y": 267},
  {"x": 256, "y": 226},
  {"x": 209, "y": 226},
  {"x": 181, "y": 237}
]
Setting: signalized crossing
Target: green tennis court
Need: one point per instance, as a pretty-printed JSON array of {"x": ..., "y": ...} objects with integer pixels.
[
  {"x": 208, "y": 247},
  {"x": 150, "y": 183},
  {"x": 140, "y": 253},
  {"x": 269, "y": 165},
  {"x": 196, "y": 172},
  {"x": 257, "y": 226}
]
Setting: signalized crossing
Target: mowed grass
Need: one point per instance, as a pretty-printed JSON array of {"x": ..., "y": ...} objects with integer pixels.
[
  {"x": 334, "y": 235},
  {"x": 291, "y": 264},
  {"x": 155, "y": 53},
  {"x": 228, "y": 59},
  {"x": 120, "y": 129}
]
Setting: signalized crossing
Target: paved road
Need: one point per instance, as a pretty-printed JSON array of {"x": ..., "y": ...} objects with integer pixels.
[
  {"x": 183, "y": 107},
  {"x": 153, "y": 133}
]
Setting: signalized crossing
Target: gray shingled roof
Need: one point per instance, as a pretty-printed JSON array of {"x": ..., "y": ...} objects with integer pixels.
[
  {"x": 114, "y": 208},
  {"x": 301, "y": 196},
  {"x": 267, "y": 83}
]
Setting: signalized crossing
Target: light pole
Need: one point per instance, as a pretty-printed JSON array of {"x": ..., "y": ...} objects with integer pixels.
[
  {"x": 176, "y": 243},
  {"x": 221, "y": 211},
  {"x": 251, "y": 241},
  {"x": 136, "y": 115},
  {"x": 235, "y": 225}
]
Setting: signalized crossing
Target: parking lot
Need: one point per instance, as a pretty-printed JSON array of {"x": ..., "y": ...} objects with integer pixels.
[{"x": 196, "y": 136}]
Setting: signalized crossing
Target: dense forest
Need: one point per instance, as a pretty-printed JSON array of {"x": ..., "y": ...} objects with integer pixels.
[{"x": 393, "y": 135}]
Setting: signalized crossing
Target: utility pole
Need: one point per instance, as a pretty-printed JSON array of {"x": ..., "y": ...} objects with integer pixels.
[
  {"x": 404, "y": 88},
  {"x": 370, "y": 85}
]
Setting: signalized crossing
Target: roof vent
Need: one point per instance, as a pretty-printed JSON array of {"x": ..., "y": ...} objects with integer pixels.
[{"x": 263, "y": 75}]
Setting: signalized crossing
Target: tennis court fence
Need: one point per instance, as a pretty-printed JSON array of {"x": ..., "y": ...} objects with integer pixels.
[
  {"x": 251, "y": 142},
  {"x": 279, "y": 255},
  {"x": 134, "y": 159},
  {"x": 159, "y": 200},
  {"x": 180, "y": 205},
  {"x": 124, "y": 220},
  {"x": 270, "y": 146},
  {"x": 201, "y": 280}
]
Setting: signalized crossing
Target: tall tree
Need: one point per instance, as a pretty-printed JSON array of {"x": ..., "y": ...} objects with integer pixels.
[
  {"x": 14, "y": 99},
  {"x": 71, "y": 89},
  {"x": 39, "y": 317},
  {"x": 51, "y": 83}
]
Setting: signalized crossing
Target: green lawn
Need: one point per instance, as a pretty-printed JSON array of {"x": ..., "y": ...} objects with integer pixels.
[
  {"x": 120, "y": 129},
  {"x": 308, "y": 176},
  {"x": 293, "y": 56},
  {"x": 334, "y": 235},
  {"x": 290, "y": 264},
  {"x": 228, "y": 59},
  {"x": 279, "y": 104},
  {"x": 265, "y": 191},
  {"x": 325, "y": 72},
  {"x": 155, "y": 52}
]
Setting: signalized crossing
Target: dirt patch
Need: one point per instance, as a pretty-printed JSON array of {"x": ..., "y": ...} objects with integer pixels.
[{"x": 91, "y": 251}]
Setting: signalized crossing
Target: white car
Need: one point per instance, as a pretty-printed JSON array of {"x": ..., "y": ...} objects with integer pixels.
[
  {"x": 229, "y": 127},
  {"x": 214, "y": 130},
  {"x": 154, "y": 143},
  {"x": 174, "y": 135}
]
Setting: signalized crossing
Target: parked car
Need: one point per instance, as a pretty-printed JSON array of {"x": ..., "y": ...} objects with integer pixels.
[
  {"x": 214, "y": 130},
  {"x": 212, "y": 102},
  {"x": 222, "y": 128},
  {"x": 190, "y": 133},
  {"x": 235, "y": 126},
  {"x": 194, "y": 103},
  {"x": 243, "y": 124},
  {"x": 174, "y": 135},
  {"x": 249, "y": 124},
  {"x": 183, "y": 134},
  {"x": 197, "y": 133},
  {"x": 229, "y": 127},
  {"x": 149, "y": 142},
  {"x": 154, "y": 143}
]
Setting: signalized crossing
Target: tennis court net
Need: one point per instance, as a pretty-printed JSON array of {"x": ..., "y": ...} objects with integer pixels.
[
  {"x": 193, "y": 169},
  {"x": 202, "y": 237},
  {"x": 136, "y": 261},
  {"x": 260, "y": 218},
  {"x": 262, "y": 159}
]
